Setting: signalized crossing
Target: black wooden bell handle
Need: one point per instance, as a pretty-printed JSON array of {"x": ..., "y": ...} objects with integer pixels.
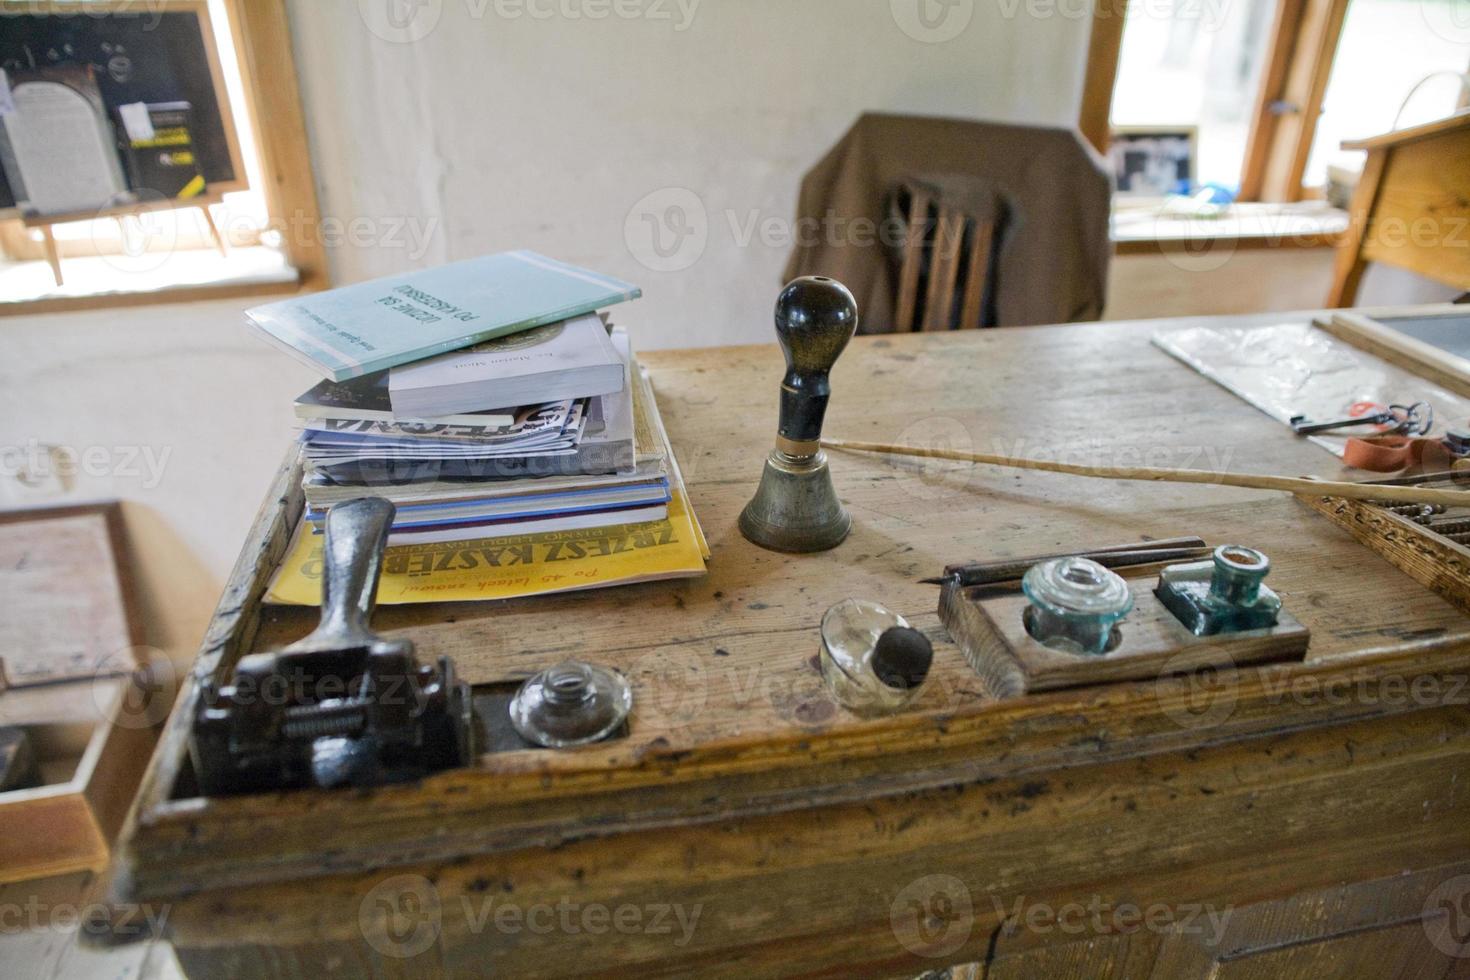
[{"x": 815, "y": 318}]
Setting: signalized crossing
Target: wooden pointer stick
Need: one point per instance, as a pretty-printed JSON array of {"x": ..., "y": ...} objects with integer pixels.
[{"x": 1289, "y": 484}]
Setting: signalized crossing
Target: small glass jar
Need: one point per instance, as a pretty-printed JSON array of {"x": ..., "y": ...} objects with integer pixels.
[
  {"x": 1222, "y": 595},
  {"x": 1075, "y": 605},
  {"x": 571, "y": 704},
  {"x": 873, "y": 661}
]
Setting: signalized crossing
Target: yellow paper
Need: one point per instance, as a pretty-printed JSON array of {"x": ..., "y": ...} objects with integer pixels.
[{"x": 509, "y": 567}]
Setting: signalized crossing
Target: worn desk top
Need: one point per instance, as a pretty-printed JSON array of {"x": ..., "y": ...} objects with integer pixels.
[
  {"x": 730, "y": 656},
  {"x": 730, "y": 714}
]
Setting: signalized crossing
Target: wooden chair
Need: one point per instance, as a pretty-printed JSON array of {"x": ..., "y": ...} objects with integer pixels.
[{"x": 945, "y": 266}]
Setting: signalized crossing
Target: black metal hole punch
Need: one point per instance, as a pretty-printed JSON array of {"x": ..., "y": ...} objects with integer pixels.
[{"x": 343, "y": 706}]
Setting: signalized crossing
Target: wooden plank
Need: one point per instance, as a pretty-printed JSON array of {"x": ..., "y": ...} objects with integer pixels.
[
  {"x": 126, "y": 742},
  {"x": 1349, "y": 264},
  {"x": 49, "y": 833},
  {"x": 1304, "y": 89},
  {"x": 66, "y": 564},
  {"x": 1103, "y": 48},
  {"x": 1454, "y": 122},
  {"x": 119, "y": 211},
  {"x": 1191, "y": 247},
  {"x": 822, "y": 891},
  {"x": 1285, "y": 28},
  {"x": 1365, "y": 331},
  {"x": 944, "y": 262},
  {"x": 977, "y": 276},
  {"x": 1420, "y": 219},
  {"x": 272, "y": 93},
  {"x": 905, "y": 320},
  {"x": 1331, "y": 932},
  {"x": 181, "y": 294}
]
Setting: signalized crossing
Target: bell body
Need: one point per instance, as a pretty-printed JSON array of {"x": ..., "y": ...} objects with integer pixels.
[{"x": 795, "y": 508}]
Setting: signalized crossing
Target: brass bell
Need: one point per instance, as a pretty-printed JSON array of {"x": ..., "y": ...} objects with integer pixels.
[{"x": 796, "y": 508}]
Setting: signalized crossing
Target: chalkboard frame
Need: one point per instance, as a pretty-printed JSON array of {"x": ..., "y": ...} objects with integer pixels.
[
  {"x": 198, "y": 8},
  {"x": 1372, "y": 330}
]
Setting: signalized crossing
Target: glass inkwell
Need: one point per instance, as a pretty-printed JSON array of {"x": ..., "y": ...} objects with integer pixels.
[
  {"x": 1222, "y": 595},
  {"x": 872, "y": 661},
  {"x": 571, "y": 704},
  {"x": 1076, "y": 604}
]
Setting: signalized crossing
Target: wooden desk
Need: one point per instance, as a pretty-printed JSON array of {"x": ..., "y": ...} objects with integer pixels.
[
  {"x": 1320, "y": 812},
  {"x": 1411, "y": 207}
]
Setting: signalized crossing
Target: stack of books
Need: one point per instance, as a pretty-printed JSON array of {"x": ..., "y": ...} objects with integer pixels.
[{"x": 504, "y": 416}]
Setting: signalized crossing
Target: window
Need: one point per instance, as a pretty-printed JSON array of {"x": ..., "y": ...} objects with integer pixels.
[
  {"x": 143, "y": 231},
  {"x": 1195, "y": 64},
  {"x": 1387, "y": 49},
  {"x": 1271, "y": 88}
]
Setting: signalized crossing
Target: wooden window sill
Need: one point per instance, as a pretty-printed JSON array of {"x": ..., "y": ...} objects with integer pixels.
[
  {"x": 100, "y": 282},
  {"x": 1143, "y": 228}
]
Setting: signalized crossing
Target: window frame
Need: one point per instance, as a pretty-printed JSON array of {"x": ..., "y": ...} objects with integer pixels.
[
  {"x": 1299, "y": 58},
  {"x": 261, "y": 33}
]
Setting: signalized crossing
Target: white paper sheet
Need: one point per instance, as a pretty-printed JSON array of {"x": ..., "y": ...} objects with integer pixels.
[
  {"x": 63, "y": 150},
  {"x": 1289, "y": 369}
]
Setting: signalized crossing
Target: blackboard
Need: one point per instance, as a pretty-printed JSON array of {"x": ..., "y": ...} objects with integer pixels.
[
  {"x": 139, "y": 53},
  {"x": 1448, "y": 333}
]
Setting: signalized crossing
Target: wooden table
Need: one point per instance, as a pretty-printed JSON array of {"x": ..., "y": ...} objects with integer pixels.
[{"x": 1297, "y": 821}]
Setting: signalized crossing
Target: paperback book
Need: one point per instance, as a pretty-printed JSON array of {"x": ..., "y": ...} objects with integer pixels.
[
  {"x": 366, "y": 399},
  {"x": 342, "y": 459},
  {"x": 372, "y": 326},
  {"x": 573, "y": 359}
]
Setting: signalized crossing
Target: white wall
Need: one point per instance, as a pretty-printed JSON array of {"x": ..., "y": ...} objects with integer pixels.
[{"x": 498, "y": 129}]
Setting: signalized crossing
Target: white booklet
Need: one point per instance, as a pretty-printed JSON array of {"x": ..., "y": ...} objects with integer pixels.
[
  {"x": 56, "y": 145},
  {"x": 573, "y": 359},
  {"x": 365, "y": 399}
]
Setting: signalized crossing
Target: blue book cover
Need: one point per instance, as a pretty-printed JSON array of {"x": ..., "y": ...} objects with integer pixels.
[{"x": 371, "y": 326}]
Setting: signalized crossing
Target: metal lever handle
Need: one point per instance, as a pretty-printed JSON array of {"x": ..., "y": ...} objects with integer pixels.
[
  {"x": 352, "y": 561},
  {"x": 815, "y": 319}
]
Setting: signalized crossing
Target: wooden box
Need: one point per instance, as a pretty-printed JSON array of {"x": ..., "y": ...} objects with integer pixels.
[
  {"x": 1428, "y": 555},
  {"x": 92, "y": 751},
  {"x": 71, "y": 681}
]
